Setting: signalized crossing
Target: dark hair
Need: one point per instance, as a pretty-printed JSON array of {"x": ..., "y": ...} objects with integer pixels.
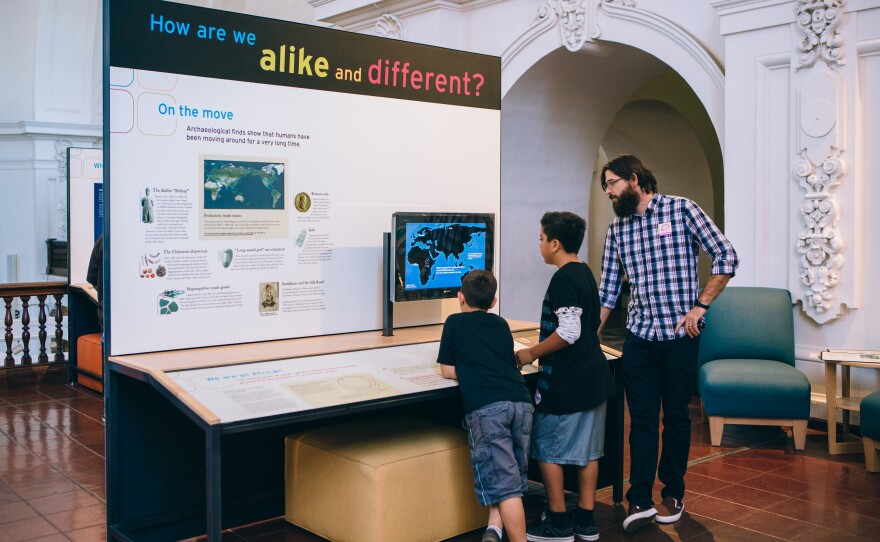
[
  {"x": 625, "y": 166},
  {"x": 479, "y": 287},
  {"x": 568, "y": 228}
]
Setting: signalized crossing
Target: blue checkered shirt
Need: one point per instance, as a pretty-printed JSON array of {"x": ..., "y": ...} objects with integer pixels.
[{"x": 658, "y": 252}]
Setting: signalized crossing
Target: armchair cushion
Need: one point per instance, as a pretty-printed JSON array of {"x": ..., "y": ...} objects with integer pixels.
[
  {"x": 869, "y": 414},
  {"x": 754, "y": 388},
  {"x": 749, "y": 322}
]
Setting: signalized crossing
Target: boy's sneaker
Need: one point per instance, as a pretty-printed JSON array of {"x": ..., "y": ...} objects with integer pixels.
[
  {"x": 638, "y": 517},
  {"x": 490, "y": 536},
  {"x": 586, "y": 531},
  {"x": 670, "y": 510},
  {"x": 543, "y": 530}
]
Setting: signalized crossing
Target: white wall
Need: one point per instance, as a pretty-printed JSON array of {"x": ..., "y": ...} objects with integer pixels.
[{"x": 17, "y": 56}]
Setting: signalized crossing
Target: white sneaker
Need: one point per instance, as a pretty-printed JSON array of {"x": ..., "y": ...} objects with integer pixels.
[
  {"x": 670, "y": 510},
  {"x": 638, "y": 517}
]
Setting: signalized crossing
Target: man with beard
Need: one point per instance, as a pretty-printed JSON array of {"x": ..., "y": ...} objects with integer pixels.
[{"x": 654, "y": 241}]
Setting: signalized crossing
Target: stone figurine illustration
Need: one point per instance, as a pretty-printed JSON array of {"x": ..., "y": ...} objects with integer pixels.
[{"x": 147, "y": 216}]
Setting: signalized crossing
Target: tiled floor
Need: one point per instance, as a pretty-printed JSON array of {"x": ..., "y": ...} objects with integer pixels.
[
  {"x": 754, "y": 487},
  {"x": 51, "y": 464}
]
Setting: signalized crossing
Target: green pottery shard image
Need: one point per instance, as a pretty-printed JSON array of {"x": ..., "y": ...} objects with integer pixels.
[{"x": 167, "y": 303}]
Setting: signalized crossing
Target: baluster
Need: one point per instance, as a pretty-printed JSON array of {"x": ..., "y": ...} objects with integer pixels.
[
  {"x": 59, "y": 332},
  {"x": 25, "y": 330},
  {"x": 41, "y": 319},
  {"x": 9, "y": 361}
]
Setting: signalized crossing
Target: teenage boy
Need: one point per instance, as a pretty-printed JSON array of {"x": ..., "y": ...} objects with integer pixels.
[
  {"x": 573, "y": 384},
  {"x": 476, "y": 348}
]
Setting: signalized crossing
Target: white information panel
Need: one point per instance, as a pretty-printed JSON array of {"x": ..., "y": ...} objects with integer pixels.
[
  {"x": 249, "y": 194},
  {"x": 85, "y": 209},
  {"x": 254, "y": 390}
]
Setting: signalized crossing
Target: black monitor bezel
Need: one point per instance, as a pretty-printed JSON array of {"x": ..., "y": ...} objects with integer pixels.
[{"x": 399, "y": 221}]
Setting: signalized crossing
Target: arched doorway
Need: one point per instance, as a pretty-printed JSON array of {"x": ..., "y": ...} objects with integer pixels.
[{"x": 561, "y": 121}]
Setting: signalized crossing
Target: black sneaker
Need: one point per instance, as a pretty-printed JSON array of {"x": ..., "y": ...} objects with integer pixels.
[
  {"x": 585, "y": 531},
  {"x": 638, "y": 517},
  {"x": 543, "y": 531},
  {"x": 490, "y": 536},
  {"x": 670, "y": 510}
]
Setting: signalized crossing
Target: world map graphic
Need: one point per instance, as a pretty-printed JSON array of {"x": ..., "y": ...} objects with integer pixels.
[
  {"x": 233, "y": 184},
  {"x": 440, "y": 254}
]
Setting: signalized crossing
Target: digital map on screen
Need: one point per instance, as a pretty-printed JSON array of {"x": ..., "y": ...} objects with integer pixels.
[{"x": 440, "y": 254}]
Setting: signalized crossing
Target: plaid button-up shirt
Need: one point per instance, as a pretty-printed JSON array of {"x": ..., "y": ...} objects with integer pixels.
[{"x": 658, "y": 252}]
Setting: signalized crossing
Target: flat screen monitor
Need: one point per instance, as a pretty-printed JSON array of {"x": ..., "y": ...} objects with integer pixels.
[{"x": 433, "y": 251}]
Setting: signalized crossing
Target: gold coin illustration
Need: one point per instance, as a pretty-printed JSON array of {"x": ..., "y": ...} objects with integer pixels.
[{"x": 302, "y": 202}]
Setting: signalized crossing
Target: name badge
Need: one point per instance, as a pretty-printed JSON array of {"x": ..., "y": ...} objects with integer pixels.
[{"x": 664, "y": 228}]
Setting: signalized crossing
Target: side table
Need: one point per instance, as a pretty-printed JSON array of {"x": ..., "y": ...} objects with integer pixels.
[{"x": 849, "y": 444}]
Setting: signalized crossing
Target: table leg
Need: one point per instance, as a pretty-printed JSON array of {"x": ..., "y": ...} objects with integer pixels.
[
  {"x": 848, "y": 444},
  {"x": 831, "y": 403},
  {"x": 212, "y": 485},
  {"x": 844, "y": 392}
]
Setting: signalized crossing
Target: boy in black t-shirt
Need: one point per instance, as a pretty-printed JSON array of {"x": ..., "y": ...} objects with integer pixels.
[
  {"x": 573, "y": 385},
  {"x": 476, "y": 348}
]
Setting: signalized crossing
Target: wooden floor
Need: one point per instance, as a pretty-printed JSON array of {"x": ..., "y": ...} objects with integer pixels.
[{"x": 754, "y": 487}]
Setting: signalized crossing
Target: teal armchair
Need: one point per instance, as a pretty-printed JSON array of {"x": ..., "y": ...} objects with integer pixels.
[
  {"x": 869, "y": 416},
  {"x": 746, "y": 364}
]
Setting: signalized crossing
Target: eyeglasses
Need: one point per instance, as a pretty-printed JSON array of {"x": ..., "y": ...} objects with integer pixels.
[{"x": 611, "y": 182}]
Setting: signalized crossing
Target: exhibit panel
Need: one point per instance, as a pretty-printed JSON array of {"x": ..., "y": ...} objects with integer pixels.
[
  {"x": 241, "y": 392},
  {"x": 250, "y": 188},
  {"x": 85, "y": 208},
  {"x": 85, "y": 216}
]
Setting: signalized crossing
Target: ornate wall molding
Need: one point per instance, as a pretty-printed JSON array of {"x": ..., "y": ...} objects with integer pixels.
[
  {"x": 61, "y": 146},
  {"x": 545, "y": 19},
  {"x": 823, "y": 96},
  {"x": 819, "y": 22},
  {"x": 597, "y": 30},
  {"x": 629, "y": 11},
  {"x": 572, "y": 23},
  {"x": 389, "y": 26},
  {"x": 570, "y": 15},
  {"x": 819, "y": 242}
]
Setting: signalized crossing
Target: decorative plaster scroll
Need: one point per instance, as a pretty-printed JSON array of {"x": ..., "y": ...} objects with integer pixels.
[
  {"x": 819, "y": 242},
  {"x": 545, "y": 12},
  {"x": 61, "y": 146},
  {"x": 389, "y": 26},
  {"x": 819, "y": 21},
  {"x": 597, "y": 30},
  {"x": 572, "y": 23},
  {"x": 544, "y": 20}
]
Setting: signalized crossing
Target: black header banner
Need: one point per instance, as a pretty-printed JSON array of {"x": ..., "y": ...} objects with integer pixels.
[{"x": 175, "y": 38}]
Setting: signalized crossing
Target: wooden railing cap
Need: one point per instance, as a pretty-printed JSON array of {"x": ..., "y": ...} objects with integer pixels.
[{"x": 32, "y": 288}]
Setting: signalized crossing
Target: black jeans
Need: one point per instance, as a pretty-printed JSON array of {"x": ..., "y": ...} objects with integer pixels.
[{"x": 655, "y": 373}]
